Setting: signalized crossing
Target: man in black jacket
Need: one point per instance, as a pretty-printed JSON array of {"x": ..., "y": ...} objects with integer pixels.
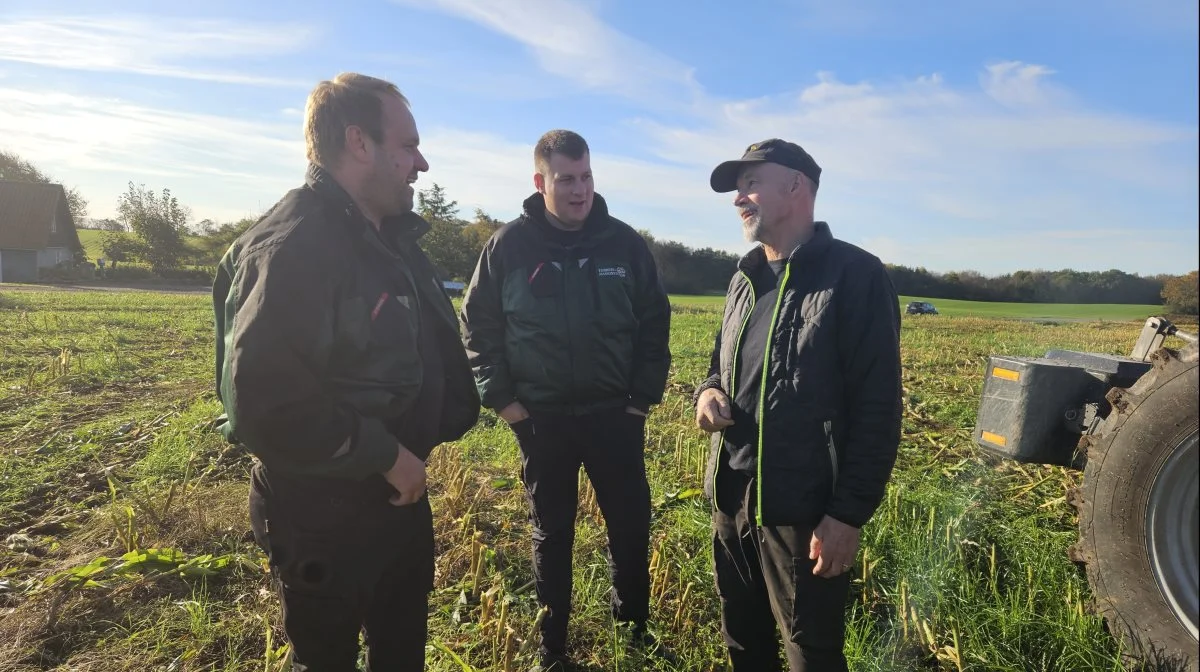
[
  {"x": 340, "y": 369},
  {"x": 804, "y": 402},
  {"x": 566, "y": 324}
]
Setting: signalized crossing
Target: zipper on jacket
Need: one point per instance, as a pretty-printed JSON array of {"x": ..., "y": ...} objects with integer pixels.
[
  {"x": 762, "y": 393},
  {"x": 594, "y": 277},
  {"x": 566, "y": 313},
  {"x": 737, "y": 346},
  {"x": 833, "y": 461}
]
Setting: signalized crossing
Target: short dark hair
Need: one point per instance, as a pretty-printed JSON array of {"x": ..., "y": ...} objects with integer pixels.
[{"x": 558, "y": 141}]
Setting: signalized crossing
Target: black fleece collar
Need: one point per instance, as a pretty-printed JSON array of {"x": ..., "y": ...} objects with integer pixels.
[
  {"x": 407, "y": 227},
  {"x": 821, "y": 238},
  {"x": 597, "y": 222}
]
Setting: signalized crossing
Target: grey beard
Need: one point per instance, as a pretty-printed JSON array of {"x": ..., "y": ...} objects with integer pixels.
[{"x": 752, "y": 229}]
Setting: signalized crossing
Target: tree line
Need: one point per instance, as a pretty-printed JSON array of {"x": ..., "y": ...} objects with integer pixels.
[
  {"x": 152, "y": 228},
  {"x": 1062, "y": 286},
  {"x": 162, "y": 239},
  {"x": 454, "y": 245}
]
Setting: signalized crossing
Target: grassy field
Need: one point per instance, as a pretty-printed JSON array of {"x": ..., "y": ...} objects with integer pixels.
[
  {"x": 1041, "y": 311},
  {"x": 127, "y": 543},
  {"x": 1028, "y": 311},
  {"x": 91, "y": 239}
]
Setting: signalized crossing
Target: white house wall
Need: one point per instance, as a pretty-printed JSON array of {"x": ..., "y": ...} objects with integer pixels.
[{"x": 51, "y": 256}]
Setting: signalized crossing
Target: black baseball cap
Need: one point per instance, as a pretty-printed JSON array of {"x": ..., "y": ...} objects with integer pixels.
[{"x": 724, "y": 177}]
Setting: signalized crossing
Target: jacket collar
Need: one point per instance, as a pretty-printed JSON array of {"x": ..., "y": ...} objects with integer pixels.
[
  {"x": 407, "y": 227},
  {"x": 534, "y": 210},
  {"x": 820, "y": 239}
]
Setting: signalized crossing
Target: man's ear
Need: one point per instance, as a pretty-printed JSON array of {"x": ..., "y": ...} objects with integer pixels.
[
  {"x": 539, "y": 182},
  {"x": 357, "y": 143}
]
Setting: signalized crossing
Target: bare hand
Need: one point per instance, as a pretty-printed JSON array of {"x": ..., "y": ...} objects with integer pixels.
[
  {"x": 513, "y": 413},
  {"x": 834, "y": 546},
  {"x": 712, "y": 410},
  {"x": 635, "y": 411},
  {"x": 407, "y": 476}
]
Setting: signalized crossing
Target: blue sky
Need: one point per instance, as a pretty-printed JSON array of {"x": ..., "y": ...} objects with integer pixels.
[{"x": 953, "y": 135}]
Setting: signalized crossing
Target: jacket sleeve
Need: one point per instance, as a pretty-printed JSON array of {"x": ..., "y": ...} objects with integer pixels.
[
  {"x": 714, "y": 371},
  {"x": 277, "y": 321},
  {"x": 483, "y": 322},
  {"x": 869, "y": 352},
  {"x": 652, "y": 350}
]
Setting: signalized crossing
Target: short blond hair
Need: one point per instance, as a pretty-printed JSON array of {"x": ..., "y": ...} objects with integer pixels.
[{"x": 350, "y": 99}]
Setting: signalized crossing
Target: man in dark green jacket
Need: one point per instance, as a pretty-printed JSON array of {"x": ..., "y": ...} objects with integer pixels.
[
  {"x": 339, "y": 368},
  {"x": 566, "y": 325}
]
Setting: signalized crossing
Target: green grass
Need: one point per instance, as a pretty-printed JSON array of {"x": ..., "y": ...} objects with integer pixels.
[
  {"x": 105, "y": 448},
  {"x": 1031, "y": 311},
  {"x": 92, "y": 238},
  {"x": 1042, "y": 311}
]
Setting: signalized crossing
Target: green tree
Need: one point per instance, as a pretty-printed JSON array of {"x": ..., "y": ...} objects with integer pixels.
[
  {"x": 432, "y": 204},
  {"x": 108, "y": 225},
  {"x": 1181, "y": 294},
  {"x": 13, "y": 167},
  {"x": 159, "y": 221},
  {"x": 116, "y": 247},
  {"x": 213, "y": 245},
  {"x": 478, "y": 232},
  {"x": 445, "y": 243}
]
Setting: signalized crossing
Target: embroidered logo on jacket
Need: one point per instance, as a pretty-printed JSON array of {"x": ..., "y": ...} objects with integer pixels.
[{"x": 611, "y": 272}]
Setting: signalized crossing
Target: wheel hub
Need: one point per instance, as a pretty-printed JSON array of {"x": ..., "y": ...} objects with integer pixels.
[{"x": 1173, "y": 532}]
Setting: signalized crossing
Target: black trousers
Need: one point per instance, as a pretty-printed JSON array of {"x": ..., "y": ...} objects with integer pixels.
[
  {"x": 766, "y": 587},
  {"x": 344, "y": 560},
  {"x": 609, "y": 445}
]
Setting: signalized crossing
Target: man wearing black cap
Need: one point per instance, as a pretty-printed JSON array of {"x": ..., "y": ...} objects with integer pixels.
[{"x": 803, "y": 401}]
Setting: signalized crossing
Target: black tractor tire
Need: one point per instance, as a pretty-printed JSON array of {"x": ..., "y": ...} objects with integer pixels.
[{"x": 1138, "y": 515}]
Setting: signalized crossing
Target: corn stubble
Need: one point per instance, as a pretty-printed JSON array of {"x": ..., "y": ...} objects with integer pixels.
[{"x": 124, "y": 527}]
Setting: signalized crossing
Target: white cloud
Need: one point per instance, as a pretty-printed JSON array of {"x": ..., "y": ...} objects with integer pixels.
[
  {"x": 1130, "y": 250},
  {"x": 920, "y": 171},
  {"x": 150, "y": 46},
  {"x": 922, "y": 149},
  {"x": 1016, "y": 150},
  {"x": 219, "y": 165},
  {"x": 485, "y": 170},
  {"x": 1019, "y": 85},
  {"x": 569, "y": 40}
]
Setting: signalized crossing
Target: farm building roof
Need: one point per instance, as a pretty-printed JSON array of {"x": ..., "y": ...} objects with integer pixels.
[{"x": 26, "y": 211}]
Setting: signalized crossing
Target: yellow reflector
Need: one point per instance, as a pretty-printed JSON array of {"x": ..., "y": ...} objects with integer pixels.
[
  {"x": 995, "y": 438},
  {"x": 1006, "y": 374}
]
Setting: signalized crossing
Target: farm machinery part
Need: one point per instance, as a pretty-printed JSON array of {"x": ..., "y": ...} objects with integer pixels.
[{"x": 1130, "y": 424}]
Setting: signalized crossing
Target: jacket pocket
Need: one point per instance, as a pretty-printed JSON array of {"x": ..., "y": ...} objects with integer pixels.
[
  {"x": 796, "y": 476},
  {"x": 831, "y": 446},
  {"x": 791, "y": 333}
]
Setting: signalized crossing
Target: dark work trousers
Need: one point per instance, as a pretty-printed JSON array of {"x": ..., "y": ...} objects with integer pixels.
[
  {"x": 343, "y": 559},
  {"x": 609, "y": 445},
  {"x": 766, "y": 586}
]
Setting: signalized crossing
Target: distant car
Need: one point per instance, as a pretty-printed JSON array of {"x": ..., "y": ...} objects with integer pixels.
[{"x": 920, "y": 308}]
